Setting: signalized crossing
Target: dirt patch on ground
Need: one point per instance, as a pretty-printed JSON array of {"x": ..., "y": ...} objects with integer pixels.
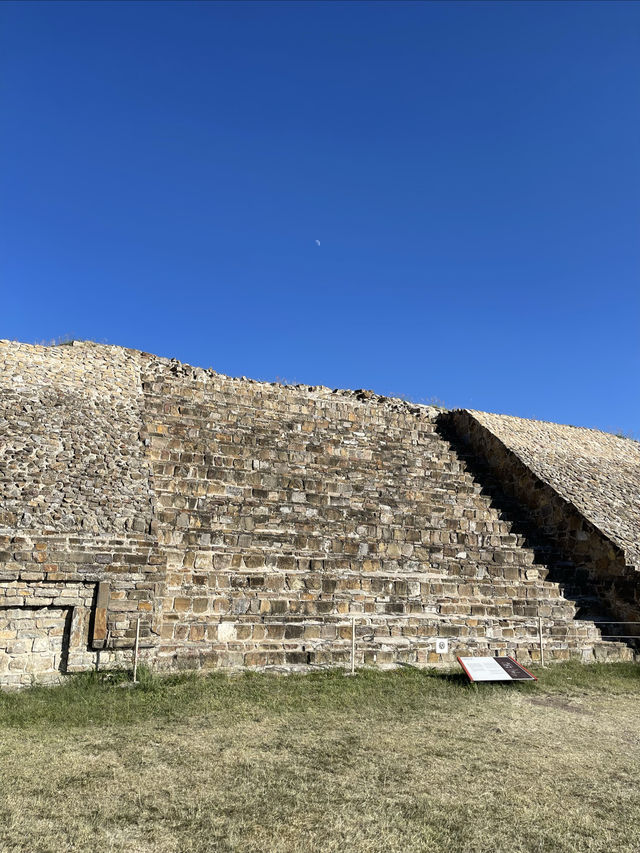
[{"x": 561, "y": 704}]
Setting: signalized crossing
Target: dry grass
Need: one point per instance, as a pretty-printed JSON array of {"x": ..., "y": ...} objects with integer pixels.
[{"x": 400, "y": 761}]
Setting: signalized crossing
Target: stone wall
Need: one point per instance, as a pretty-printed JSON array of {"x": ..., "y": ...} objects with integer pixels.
[
  {"x": 581, "y": 486},
  {"x": 248, "y": 524},
  {"x": 44, "y": 629},
  {"x": 598, "y": 473},
  {"x": 70, "y": 417},
  {"x": 76, "y": 503},
  {"x": 285, "y": 511}
]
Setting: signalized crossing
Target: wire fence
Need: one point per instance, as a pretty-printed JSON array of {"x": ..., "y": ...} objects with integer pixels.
[{"x": 536, "y": 623}]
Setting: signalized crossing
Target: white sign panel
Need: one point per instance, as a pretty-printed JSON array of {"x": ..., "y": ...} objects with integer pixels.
[{"x": 495, "y": 669}]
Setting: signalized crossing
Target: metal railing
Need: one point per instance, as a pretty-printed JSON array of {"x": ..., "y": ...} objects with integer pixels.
[
  {"x": 342, "y": 619},
  {"x": 355, "y": 616}
]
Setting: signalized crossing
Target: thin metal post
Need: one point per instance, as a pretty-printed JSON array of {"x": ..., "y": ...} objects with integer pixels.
[
  {"x": 135, "y": 653},
  {"x": 540, "y": 640},
  {"x": 353, "y": 645}
]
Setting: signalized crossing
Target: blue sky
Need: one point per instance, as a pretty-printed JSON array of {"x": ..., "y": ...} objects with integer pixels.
[{"x": 472, "y": 172}]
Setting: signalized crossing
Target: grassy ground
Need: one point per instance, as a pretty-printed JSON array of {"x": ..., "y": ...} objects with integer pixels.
[{"x": 397, "y": 762}]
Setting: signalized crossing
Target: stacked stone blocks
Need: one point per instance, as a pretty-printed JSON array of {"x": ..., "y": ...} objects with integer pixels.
[{"x": 247, "y": 524}]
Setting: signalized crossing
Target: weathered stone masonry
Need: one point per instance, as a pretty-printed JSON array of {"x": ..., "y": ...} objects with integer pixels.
[
  {"x": 244, "y": 523},
  {"x": 580, "y": 486},
  {"x": 76, "y": 509}
]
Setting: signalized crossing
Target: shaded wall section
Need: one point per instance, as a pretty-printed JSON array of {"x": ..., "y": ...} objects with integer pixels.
[{"x": 581, "y": 486}]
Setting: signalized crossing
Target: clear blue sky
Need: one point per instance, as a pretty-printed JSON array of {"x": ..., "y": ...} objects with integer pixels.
[{"x": 472, "y": 172}]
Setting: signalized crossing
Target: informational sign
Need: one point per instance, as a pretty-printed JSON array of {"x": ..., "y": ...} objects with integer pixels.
[{"x": 495, "y": 669}]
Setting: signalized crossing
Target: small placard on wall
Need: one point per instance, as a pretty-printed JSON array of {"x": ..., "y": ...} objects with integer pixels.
[{"x": 495, "y": 669}]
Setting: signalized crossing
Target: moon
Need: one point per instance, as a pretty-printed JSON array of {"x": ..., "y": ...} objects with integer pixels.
[{"x": 317, "y": 242}]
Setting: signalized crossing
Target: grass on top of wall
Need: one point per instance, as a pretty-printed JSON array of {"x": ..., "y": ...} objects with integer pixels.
[{"x": 396, "y": 761}]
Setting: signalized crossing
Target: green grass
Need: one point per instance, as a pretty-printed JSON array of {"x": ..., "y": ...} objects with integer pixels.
[{"x": 399, "y": 761}]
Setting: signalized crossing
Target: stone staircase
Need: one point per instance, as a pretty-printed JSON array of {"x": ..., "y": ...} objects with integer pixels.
[
  {"x": 227, "y": 522},
  {"x": 300, "y": 513},
  {"x": 590, "y": 618}
]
